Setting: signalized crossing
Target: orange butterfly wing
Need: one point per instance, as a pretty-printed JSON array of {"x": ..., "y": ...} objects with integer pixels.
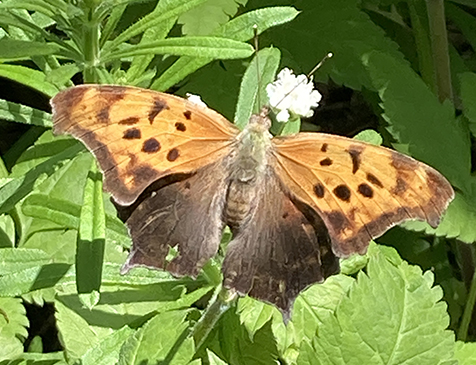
[
  {"x": 359, "y": 190},
  {"x": 140, "y": 135}
]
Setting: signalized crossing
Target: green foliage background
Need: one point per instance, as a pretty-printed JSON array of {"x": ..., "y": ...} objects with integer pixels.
[{"x": 62, "y": 245}]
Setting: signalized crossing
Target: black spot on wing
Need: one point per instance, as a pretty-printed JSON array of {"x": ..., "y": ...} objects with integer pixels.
[
  {"x": 132, "y": 133},
  {"x": 180, "y": 127},
  {"x": 365, "y": 190},
  {"x": 187, "y": 114},
  {"x": 319, "y": 190},
  {"x": 326, "y": 162},
  {"x": 151, "y": 145},
  {"x": 129, "y": 121},
  {"x": 374, "y": 181},
  {"x": 173, "y": 154},
  {"x": 342, "y": 192}
]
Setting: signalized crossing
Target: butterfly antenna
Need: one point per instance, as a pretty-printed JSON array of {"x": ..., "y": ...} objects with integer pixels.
[
  {"x": 315, "y": 68},
  {"x": 255, "y": 38}
]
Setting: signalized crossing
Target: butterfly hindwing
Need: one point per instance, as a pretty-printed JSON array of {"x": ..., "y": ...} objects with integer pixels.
[
  {"x": 187, "y": 215},
  {"x": 280, "y": 250},
  {"x": 140, "y": 135}
]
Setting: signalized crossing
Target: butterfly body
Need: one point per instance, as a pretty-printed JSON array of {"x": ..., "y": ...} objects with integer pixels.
[
  {"x": 248, "y": 168},
  {"x": 294, "y": 204}
]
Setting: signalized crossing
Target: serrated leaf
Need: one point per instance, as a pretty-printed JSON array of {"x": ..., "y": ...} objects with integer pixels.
[
  {"x": 175, "y": 8},
  {"x": 24, "y": 114},
  {"x": 314, "y": 304},
  {"x": 417, "y": 118},
  {"x": 458, "y": 221},
  {"x": 240, "y": 29},
  {"x": 204, "y": 19},
  {"x": 19, "y": 49},
  {"x": 140, "y": 63},
  {"x": 75, "y": 334},
  {"x": 146, "y": 346},
  {"x": 29, "y": 77},
  {"x": 212, "y": 47},
  {"x": 465, "y": 353},
  {"x": 347, "y": 32},
  {"x": 255, "y": 314},
  {"x": 391, "y": 315},
  {"x": 13, "y": 323},
  {"x": 233, "y": 343},
  {"x": 61, "y": 75},
  {"x": 107, "y": 351},
  {"x": 66, "y": 214},
  {"x": 15, "y": 259}
]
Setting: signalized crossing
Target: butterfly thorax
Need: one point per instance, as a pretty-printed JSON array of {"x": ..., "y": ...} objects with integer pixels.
[{"x": 248, "y": 168}]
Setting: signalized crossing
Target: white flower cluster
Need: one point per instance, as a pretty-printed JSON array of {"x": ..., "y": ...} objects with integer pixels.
[{"x": 292, "y": 95}]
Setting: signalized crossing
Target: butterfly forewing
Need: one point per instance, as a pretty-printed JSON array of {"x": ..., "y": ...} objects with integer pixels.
[
  {"x": 140, "y": 135},
  {"x": 359, "y": 190}
]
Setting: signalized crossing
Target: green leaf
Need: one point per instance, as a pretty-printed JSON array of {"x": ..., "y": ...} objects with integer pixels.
[
  {"x": 145, "y": 346},
  {"x": 369, "y": 136},
  {"x": 458, "y": 221},
  {"x": 22, "y": 281},
  {"x": 268, "y": 61},
  {"x": 19, "y": 49},
  {"x": 151, "y": 20},
  {"x": 341, "y": 28},
  {"x": 7, "y": 231},
  {"x": 467, "y": 82},
  {"x": 212, "y": 47},
  {"x": 204, "y": 19},
  {"x": 15, "y": 259},
  {"x": 29, "y": 77},
  {"x": 417, "y": 118},
  {"x": 107, "y": 351},
  {"x": 314, "y": 304},
  {"x": 214, "y": 359},
  {"x": 66, "y": 214},
  {"x": 92, "y": 234},
  {"x": 464, "y": 21},
  {"x": 75, "y": 334},
  {"x": 233, "y": 343},
  {"x": 465, "y": 353},
  {"x": 391, "y": 315},
  {"x": 61, "y": 75},
  {"x": 24, "y": 114},
  {"x": 13, "y": 323},
  {"x": 239, "y": 29},
  {"x": 140, "y": 63}
]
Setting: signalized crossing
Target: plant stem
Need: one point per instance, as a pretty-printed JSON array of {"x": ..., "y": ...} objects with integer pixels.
[
  {"x": 219, "y": 304},
  {"x": 468, "y": 308},
  {"x": 439, "y": 45},
  {"x": 91, "y": 47}
]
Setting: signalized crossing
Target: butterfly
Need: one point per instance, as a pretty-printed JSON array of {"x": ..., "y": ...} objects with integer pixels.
[{"x": 295, "y": 204}]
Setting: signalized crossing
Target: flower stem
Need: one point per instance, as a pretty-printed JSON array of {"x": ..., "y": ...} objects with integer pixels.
[
  {"x": 439, "y": 45},
  {"x": 468, "y": 310},
  {"x": 219, "y": 304}
]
